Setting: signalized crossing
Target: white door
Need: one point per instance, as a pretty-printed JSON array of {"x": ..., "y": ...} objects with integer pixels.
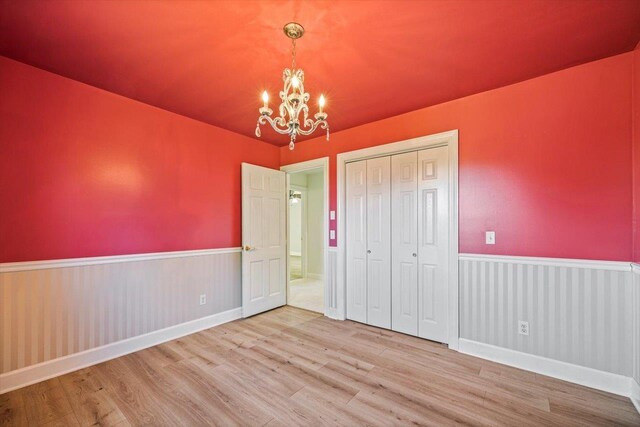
[
  {"x": 356, "y": 229},
  {"x": 379, "y": 242},
  {"x": 433, "y": 243},
  {"x": 264, "y": 248},
  {"x": 404, "y": 243}
]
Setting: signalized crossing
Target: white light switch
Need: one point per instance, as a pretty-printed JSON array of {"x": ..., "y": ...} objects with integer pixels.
[
  {"x": 332, "y": 215},
  {"x": 332, "y": 234},
  {"x": 490, "y": 237}
]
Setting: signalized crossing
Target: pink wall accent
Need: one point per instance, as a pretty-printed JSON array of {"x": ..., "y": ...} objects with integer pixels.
[
  {"x": 85, "y": 172},
  {"x": 544, "y": 163}
]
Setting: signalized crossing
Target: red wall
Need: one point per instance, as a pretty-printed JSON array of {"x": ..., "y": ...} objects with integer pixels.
[
  {"x": 84, "y": 172},
  {"x": 544, "y": 163}
]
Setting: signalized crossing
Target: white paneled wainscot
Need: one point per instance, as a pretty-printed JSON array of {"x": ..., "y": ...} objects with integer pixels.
[
  {"x": 582, "y": 317},
  {"x": 635, "y": 385},
  {"x": 59, "y": 316},
  {"x": 331, "y": 284}
]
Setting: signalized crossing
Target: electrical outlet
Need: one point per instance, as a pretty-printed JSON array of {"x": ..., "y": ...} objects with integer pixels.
[
  {"x": 332, "y": 215},
  {"x": 203, "y": 299},
  {"x": 523, "y": 327},
  {"x": 332, "y": 234}
]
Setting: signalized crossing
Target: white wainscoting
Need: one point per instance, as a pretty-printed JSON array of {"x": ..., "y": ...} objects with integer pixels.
[
  {"x": 635, "y": 386},
  {"x": 54, "y": 309},
  {"x": 52, "y": 368},
  {"x": 331, "y": 292},
  {"x": 577, "y": 313}
]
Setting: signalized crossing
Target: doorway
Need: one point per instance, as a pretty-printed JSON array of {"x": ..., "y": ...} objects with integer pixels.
[
  {"x": 306, "y": 248},
  {"x": 298, "y": 227},
  {"x": 307, "y": 229}
]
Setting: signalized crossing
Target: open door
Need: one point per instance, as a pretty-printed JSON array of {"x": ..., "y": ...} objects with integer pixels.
[{"x": 264, "y": 246}]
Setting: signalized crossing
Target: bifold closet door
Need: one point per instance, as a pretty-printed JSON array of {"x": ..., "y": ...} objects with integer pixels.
[
  {"x": 433, "y": 243},
  {"x": 404, "y": 243},
  {"x": 379, "y": 242},
  {"x": 356, "y": 229}
]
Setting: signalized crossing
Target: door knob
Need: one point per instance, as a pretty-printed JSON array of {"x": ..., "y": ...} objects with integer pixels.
[
  {"x": 248, "y": 248},
  {"x": 368, "y": 251},
  {"x": 414, "y": 254}
]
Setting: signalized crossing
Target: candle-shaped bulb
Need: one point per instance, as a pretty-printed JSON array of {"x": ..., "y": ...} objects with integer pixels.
[
  {"x": 295, "y": 82},
  {"x": 321, "y": 102},
  {"x": 265, "y": 99}
]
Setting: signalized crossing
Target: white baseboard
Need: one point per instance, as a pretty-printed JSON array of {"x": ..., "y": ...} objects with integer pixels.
[
  {"x": 605, "y": 381},
  {"x": 52, "y": 368},
  {"x": 635, "y": 394},
  {"x": 332, "y": 313}
]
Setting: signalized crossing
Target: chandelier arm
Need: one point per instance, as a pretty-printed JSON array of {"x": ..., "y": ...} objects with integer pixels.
[
  {"x": 309, "y": 124},
  {"x": 275, "y": 123},
  {"x": 313, "y": 126}
]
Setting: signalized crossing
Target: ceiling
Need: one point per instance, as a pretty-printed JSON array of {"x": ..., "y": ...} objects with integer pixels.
[{"x": 210, "y": 60}]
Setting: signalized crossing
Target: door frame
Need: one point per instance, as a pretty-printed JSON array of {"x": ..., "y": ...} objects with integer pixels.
[
  {"x": 450, "y": 139},
  {"x": 320, "y": 163}
]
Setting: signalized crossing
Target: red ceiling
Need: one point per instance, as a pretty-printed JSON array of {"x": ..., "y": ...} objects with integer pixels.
[{"x": 210, "y": 60}]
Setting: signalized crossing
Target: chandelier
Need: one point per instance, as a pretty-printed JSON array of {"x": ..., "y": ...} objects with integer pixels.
[{"x": 294, "y": 100}]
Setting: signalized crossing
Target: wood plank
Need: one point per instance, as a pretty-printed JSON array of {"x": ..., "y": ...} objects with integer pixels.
[
  {"x": 292, "y": 367},
  {"x": 69, "y": 420},
  {"x": 91, "y": 403},
  {"x": 45, "y": 402},
  {"x": 12, "y": 411}
]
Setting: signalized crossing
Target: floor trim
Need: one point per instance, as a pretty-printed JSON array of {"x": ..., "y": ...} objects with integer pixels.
[
  {"x": 635, "y": 394},
  {"x": 589, "y": 377},
  {"x": 42, "y": 371}
]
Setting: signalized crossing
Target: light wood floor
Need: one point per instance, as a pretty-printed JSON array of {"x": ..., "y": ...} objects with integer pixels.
[{"x": 293, "y": 367}]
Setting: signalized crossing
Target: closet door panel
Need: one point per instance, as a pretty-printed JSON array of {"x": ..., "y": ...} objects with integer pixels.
[
  {"x": 356, "y": 229},
  {"x": 379, "y": 242},
  {"x": 404, "y": 244},
  {"x": 433, "y": 243}
]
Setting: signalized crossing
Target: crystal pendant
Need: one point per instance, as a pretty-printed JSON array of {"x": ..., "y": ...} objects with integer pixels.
[
  {"x": 258, "y": 131},
  {"x": 291, "y": 145}
]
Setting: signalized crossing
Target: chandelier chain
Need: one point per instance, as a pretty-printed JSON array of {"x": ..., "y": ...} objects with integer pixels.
[{"x": 293, "y": 54}]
